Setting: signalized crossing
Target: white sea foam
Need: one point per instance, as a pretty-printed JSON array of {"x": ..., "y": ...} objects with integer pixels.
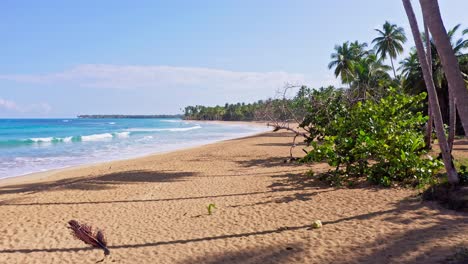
[
  {"x": 97, "y": 137},
  {"x": 171, "y": 121},
  {"x": 111, "y": 123},
  {"x": 67, "y": 139},
  {"x": 122, "y": 134},
  {"x": 178, "y": 129},
  {"x": 44, "y": 139},
  {"x": 65, "y": 120},
  {"x": 145, "y": 138}
]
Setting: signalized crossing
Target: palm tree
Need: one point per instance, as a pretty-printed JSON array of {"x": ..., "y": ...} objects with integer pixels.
[
  {"x": 390, "y": 42},
  {"x": 438, "y": 123},
  {"x": 358, "y": 50},
  {"x": 370, "y": 72},
  {"x": 456, "y": 84},
  {"x": 343, "y": 60},
  {"x": 413, "y": 81}
]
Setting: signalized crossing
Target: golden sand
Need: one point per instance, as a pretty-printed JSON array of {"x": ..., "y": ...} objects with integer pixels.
[{"x": 154, "y": 210}]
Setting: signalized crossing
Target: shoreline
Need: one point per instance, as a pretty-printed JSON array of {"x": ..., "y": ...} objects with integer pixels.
[{"x": 49, "y": 174}]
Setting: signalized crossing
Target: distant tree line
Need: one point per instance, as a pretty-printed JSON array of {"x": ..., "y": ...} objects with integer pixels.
[
  {"x": 130, "y": 116},
  {"x": 228, "y": 112},
  {"x": 262, "y": 110}
]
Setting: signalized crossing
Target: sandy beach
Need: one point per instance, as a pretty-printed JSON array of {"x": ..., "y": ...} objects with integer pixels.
[{"x": 154, "y": 210}]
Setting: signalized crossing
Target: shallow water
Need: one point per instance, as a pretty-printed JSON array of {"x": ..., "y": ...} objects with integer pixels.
[{"x": 35, "y": 145}]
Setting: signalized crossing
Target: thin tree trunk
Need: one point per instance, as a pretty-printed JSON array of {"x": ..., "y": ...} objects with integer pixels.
[
  {"x": 453, "y": 121},
  {"x": 430, "y": 124},
  {"x": 430, "y": 121},
  {"x": 393, "y": 67},
  {"x": 431, "y": 14},
  {"x": 431, "y": 90}
]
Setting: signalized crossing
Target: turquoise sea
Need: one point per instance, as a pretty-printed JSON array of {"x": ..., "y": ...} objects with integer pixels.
[{"x": 35, "y": 145}]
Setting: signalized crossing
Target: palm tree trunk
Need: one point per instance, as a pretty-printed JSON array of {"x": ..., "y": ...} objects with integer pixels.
[
  {"x": 452, "y": 122},
  {"x": 431, "y": 14},
  {"x": 430, "y": 124},
  {"x": 431, "y": 90},
  {"x": 430, "y": 121},
  {"x": 393, "y": 67}
]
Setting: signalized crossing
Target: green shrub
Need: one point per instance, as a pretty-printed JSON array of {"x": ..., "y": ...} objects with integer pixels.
[
  {"x": 381, "y": 140},
  {"x": 463, "y": 175}
]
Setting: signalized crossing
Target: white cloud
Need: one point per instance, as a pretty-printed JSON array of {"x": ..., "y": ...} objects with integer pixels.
[
  {"x": 37, "y": 108},
  {"x": 159, "y": 77},
  {"x": 8, "y": 105}
]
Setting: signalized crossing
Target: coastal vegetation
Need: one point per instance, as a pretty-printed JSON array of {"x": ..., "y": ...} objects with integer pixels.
[
  {"x": 380, "y": 125},
  {"x": 130, "y": 116}
]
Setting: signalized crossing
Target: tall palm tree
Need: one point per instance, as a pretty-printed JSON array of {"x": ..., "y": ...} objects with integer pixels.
[
  {"x": 431, "y": 90},
  {"x": 456, "y": 84},
  {"x": 390, "y": 42},
  {"x": 343, "y": 60}
]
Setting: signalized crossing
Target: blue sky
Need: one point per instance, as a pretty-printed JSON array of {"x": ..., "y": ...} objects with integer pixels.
[{"x": 63, "y": 58}]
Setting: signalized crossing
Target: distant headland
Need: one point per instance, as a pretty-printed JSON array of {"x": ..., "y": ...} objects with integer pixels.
[{"x": 130, "y": 116}]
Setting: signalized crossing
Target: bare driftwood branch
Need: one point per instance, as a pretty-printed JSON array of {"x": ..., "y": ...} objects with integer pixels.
[{"x": 281, "y": 114}]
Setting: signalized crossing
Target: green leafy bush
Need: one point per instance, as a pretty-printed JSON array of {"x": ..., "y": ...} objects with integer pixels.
[
  {"x": 463, "y": 173},
  {"x": 381, "y": 140},
  {"x": 323, "y": 107}
]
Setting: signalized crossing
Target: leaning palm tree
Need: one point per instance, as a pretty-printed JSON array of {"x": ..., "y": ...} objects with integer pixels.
[
  {"x": 343, "y": 61},
  {"x": 449, "y": 61},
  {"x": 452, "y": 174},
  {"x": 390, "y": 42}
]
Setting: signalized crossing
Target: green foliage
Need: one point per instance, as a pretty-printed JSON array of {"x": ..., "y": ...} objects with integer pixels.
[
  {"x": 325, "y": 105},
  {"x": 310, "y": 173},
  {"x": 380, "y": 140},
  {"x": 463, "y": 173},
  {"x": 284, "y": 109},
  {"x": 210, "y": 208},
  {"x": 390, "y": 40}
]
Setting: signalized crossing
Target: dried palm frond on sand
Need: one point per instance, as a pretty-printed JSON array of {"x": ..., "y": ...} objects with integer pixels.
[{"x": 85, "y": 233}]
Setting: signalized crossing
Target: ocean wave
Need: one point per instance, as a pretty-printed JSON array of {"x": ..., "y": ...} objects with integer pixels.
[
  {"x": 125, "y": 134},
  {"x": 45, "y": 139},
  {"x": 49, "y": 140},
  {"x": 93, "y": 137},
  {"x": 97, "y": 137},
  {"x": 171, "y": 121},
  {"x": 177, "y": 129}
]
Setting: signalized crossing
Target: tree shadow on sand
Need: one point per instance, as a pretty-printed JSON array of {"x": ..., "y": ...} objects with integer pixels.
[
  {"x": 266, "y": 135},
  {"x": 398, "y": 244},
  {"x": 268, "y": 162},
  {"x": 103, "y": 182},
  {"x": 272, "y": 254},
  {"x": 416, "y": 245}
]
